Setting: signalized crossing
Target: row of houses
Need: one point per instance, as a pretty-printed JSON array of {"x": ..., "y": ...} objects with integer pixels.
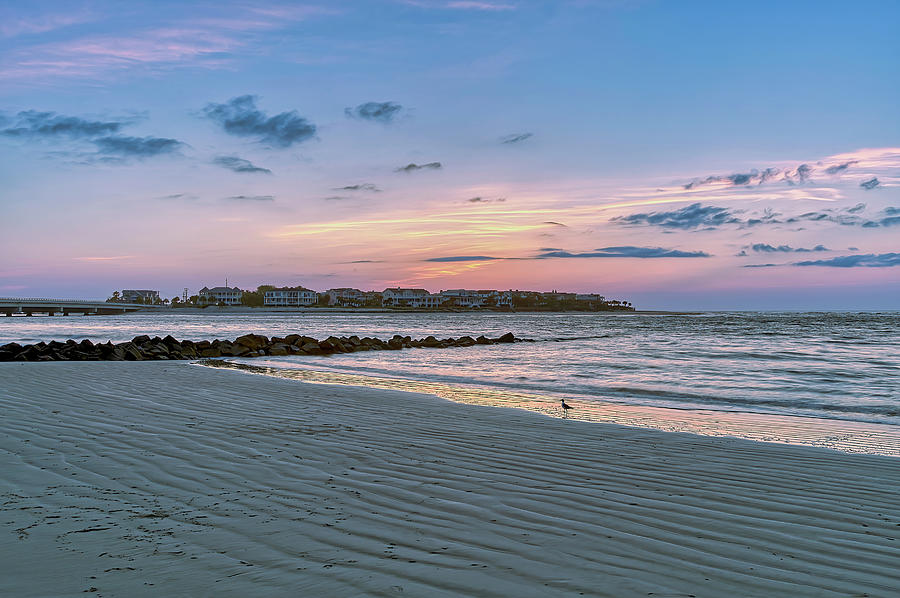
[{"x": 390, "y": 297}]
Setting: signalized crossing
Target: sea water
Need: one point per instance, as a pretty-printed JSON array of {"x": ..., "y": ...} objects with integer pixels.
[{"x": 828, "y": 379}]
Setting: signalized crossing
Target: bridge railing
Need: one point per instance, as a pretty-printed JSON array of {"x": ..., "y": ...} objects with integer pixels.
[{"x": 97, "y": 302}]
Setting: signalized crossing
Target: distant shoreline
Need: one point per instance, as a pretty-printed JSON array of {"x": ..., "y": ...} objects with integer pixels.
[{"x": 384, "y": 310}]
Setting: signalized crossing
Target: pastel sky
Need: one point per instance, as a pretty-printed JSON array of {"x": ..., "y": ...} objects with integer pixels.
[{"x": 680, "y": 155}]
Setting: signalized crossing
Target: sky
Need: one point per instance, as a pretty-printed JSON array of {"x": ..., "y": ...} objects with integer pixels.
[{"x": 678, "y": 155}]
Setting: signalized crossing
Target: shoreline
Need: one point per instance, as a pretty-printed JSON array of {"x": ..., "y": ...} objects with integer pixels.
[
  {"x": 162, "y": 478},
  {"x": 842, "y": 435}
]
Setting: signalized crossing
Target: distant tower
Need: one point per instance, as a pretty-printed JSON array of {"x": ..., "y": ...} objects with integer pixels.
[{"x": 184, "y": 297}]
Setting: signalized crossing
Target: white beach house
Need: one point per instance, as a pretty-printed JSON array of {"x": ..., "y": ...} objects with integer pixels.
[
  {"x": 140, "y": 296},
  {"x": 481, "y": 298},
  {"x": 410, "y": 298},
  {"x": 346, "y": 297},
  {"x": 216, "y": 295},
  {"x": 290, "y": 297}
]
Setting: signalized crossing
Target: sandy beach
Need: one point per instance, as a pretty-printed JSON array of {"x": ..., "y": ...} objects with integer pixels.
[{"x": 170, "y": 479}]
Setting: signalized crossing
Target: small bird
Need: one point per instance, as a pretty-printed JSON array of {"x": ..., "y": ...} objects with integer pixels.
[{"x": 565, "y": 407}]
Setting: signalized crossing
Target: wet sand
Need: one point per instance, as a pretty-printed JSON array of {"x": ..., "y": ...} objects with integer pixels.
[{"x": 164, "y": 478}]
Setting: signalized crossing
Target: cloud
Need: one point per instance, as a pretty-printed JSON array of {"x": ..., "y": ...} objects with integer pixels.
[
  {"x": 552, "y": 223},
  {"x": 414, "y": 167},
  {"x": 738, "y": 179},
  {"x": 870, "y": 184},
  {"x": 137, "y": 147},
  {"x": 869, "y": 260},
  {"x": 839, "y": 168},
  {"x": 515, "y": 137},
  {"x": 463, "y": 258},
  {"x": 383, "y": 112},
  {"x": 766, "y": 248},
  {"x": 236, "y": 164},
  {"x": 34, "y": 124},
  {"x": 174, "y": 196},
  {"x": 105, "y": 258},
  {"x": 848, "y": 217},
  {"x": 626, "y": 251},
  {"x": 11, "y": 27},
  {"x": 365, "y": 262},
  {"x": 335, "y": 197},
  {"x": 240, "y": 117},
  {"x": 359, "y": 187},
  {"x": 760, "y": 265},
  {"x": 485, "y": 200},
  {"x": 479, "y": 5},
  {"x": 692, "y": 216},
  {"x": 252, "y": 197}
]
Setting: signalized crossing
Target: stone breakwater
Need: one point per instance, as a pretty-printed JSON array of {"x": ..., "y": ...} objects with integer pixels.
[{"x": 142, "y": 348}]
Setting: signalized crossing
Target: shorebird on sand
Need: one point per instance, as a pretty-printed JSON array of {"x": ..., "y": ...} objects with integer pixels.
[{"x": 565, "y": 407}]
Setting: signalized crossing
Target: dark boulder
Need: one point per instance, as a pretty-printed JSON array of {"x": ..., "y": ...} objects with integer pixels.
[{"x": 254, "y": 342}]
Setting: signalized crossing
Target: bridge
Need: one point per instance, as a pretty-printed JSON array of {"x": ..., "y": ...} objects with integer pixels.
[{"x": 28, "y": 307}]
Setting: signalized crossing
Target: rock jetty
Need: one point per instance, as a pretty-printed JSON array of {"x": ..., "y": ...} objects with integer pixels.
[{"x": 142, "y": 348}]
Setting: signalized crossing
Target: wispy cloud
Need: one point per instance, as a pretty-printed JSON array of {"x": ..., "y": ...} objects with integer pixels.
[
  {"x": 136, "y": 147},
  {"x": 251, "y": 198},
  {"x": 691, "y": 217},
  {"x": 839, "y": 168},
  {"x": 12, "y": 27},
  {"x": 766, "y": 248},
  {"x": 515, "y": 137},
  {"x": 236, "y": 164},
  {"x": 103, "y": 258},
  {"x": 35, "y": 124},
  {"x": 870, "y": 184},
  {"x": 480, "y": 5},
  {"x": 359, "y": 187},
  {"x": 868, "y": 260},
  {"x": 463, "y": 258},
  {"x": 626, "y": 251},
  {"x": 210, "y": 42},
  {"x": 480, "y": 199},
  {"x": 240, "y": 116},
  {"x": 383, "y": 112},
  {"x": 411, "y": 167}
]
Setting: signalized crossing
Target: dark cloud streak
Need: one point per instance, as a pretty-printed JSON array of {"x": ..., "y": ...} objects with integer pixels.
[
  {"x": 241, "y": 165},
  {"x": 383, "y": 112},
  {"x": 240, "y": 117},
  {"x": 411, "y": 167}
]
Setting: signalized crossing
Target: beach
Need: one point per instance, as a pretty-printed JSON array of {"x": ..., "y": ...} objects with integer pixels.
[{"x": 171, "y": 479}]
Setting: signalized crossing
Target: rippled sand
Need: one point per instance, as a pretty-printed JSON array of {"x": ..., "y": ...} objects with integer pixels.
[{"x": 128, "y": 479}]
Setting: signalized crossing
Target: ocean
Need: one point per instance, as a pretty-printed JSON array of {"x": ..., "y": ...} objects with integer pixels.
[{"x": 824, "y": 379}]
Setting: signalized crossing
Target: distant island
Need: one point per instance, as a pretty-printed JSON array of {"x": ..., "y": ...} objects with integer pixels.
[{"x": 390, "y": 299}]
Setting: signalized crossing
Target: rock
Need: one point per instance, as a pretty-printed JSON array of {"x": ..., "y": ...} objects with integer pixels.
[
  {"x": 507, "y": 338},
  {"x": 140, "y": 340},
  {"x": 465, "y": 341},
  {"x": 29, "y": 353},
  {"x": 279, "y": 349},
  {"x": 311, "y": 348},
  {"x": 483, "y": 340},
  {"x": 211, "y": 352},
  {"x": 130, "y": 351},
  {"x": 254, "y": 342},
  {"x": 240, "y": 350},
  {"x": 431, "y": 342},
  {"x": 395, "y": 344}
]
